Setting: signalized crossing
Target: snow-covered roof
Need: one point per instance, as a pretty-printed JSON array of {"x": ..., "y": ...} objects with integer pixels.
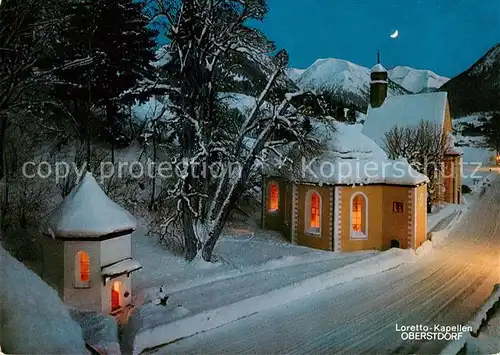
[
  {"x": 126, "y": 266},
  {"x": 378, "y": 68},
  {"x": 404, "y": 110},
  {"x": 87, "y": 212},
  {"x": 350, "y": 157},
  {"x": 362, "y": 172},
  {"x": 347, "y": 142},
  {"x": 451, "y": 148}
]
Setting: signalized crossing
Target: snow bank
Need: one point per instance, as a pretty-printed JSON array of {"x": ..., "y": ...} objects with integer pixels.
[
  {"x": 487, "y": 342},
  {"x": 214, "y": 318},
  {"x": 439, "y": 237},
  {"x": 456, "y": 346},
  {"x": 424, "y": 250},
  {"x": 99, "y": 331},
  {"x": 34, "y": 319},
  {"x": 434, "y": 219},
  {"x": 481, "y": 315},
  {"x": 476, "y": 322}
]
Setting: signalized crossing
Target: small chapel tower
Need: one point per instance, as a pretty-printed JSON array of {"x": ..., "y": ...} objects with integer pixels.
[
  {"x": 378, "y": 84},
  {"x": 88, "y": 255}
]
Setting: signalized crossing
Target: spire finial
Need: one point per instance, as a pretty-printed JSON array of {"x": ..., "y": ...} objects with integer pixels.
[{"x": 378, "y": 57}]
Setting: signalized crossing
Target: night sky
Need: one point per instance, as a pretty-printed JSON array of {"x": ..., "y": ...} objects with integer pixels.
[{"x": 446, "y": 36}]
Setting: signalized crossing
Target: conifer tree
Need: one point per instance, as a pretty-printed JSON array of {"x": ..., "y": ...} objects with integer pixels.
[
  {"x": 491, "y": 131},
  {"x": 340, "y": 113},
  {"x": 27, "y": 30},
  {"x": 105, "y": 50},
  {"x": 351, "y": 114}
]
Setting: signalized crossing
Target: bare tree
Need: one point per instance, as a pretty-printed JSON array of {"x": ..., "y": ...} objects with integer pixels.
[
  {"x": 26, "y": 33},
  {"x": 424, "y": 146},
  {"x": 206, "y": 36}
]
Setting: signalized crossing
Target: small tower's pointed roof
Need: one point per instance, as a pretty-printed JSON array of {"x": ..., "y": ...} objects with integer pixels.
[
  {"x": 88, "y": 213},
  {"x": 378, "y": 68}
]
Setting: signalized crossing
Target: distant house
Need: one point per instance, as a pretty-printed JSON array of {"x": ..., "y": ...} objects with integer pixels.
[
  {"x": 347, "y": 197},
  {"x": 87, "y": 255},
  {"x": 408, "y": 110}
]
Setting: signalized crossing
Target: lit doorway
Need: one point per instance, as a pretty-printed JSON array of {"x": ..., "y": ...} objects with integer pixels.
[{"x": 115, "y": 295}]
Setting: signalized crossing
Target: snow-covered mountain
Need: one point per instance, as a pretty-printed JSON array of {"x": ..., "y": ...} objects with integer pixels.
[
  {"x": 478, "y": 88},
  {"x": 294, "y": 74},
  {"x": 334, "y": 74},
  {"x": 416, "y": 80},
  {"x": 348, "y": 81}
]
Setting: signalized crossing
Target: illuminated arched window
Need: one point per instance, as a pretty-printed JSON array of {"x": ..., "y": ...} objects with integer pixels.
[
  {"x": 82, "y": 270},
  {"x": 313, "y": 212},
  {"x": 274, "y": 197},
  {"x": 359, "y": 221}
]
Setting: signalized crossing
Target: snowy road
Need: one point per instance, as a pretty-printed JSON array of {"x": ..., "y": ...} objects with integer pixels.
[{"x": 361, "y": 316}]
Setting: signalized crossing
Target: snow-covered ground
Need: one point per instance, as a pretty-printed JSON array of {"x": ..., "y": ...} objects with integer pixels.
[
  {"x": 254, "y": 273},
  {"x": 238, "y": 252},
  {"x": 263, "y": 260},
  {"x": 440, "y": 217},
  {"x": 488, "y": 340},
  {"x": 212, "y": 305},
  {"x": 475, "y": 155},
  {"x": 361, "y": 316},
  {"x": 477, "y": 159},
  {"x": 33, "y": 319}
]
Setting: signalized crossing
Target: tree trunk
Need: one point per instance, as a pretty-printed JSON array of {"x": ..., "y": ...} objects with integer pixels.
[
  {"x": 89, "y": 153},
  {"x": 190, "y": 240},
  {"x": 3, "y": 130},
  {"x": 86, "y": 140},
  {"x": 226, "y": 208},
  {"x": 153, "y": 187},
  {"x": 113, "y": 152},
  {"x": 110, "y": 113},
  {"x": 208, "y": 247},
  {"x": 4, "y": 204}
]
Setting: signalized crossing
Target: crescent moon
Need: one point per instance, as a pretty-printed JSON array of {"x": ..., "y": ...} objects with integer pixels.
[{"x": 395, "y": 34}]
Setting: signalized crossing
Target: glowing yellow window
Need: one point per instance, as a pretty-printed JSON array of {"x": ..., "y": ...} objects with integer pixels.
[
  {"x": 84, "y": 267},
  {"x": 358, "y": 211},
  {"x": 315, "y": 210},
  {"x": 274, "y": 196},
  {"x": 115, "y": 295},
  {"x": 82, "y": 270}
]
